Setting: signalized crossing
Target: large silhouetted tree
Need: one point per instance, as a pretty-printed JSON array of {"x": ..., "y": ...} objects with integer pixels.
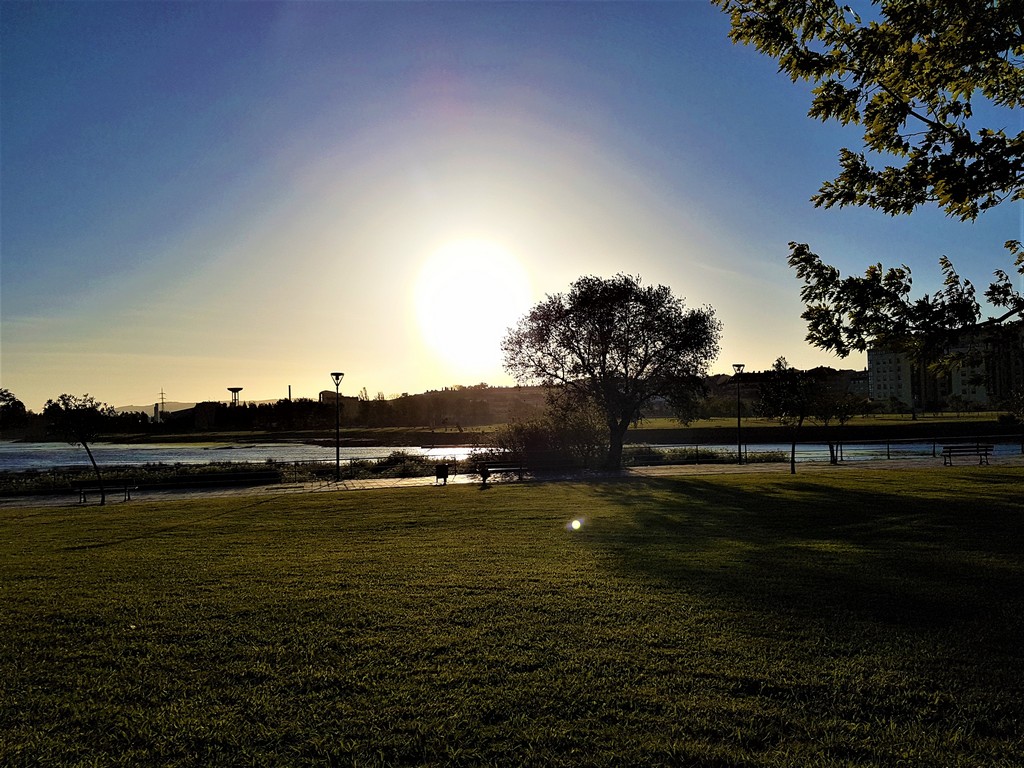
[
  {"x": 79, "y": 420},
  {"x": 12, "y": 411},
  {"x": 618, "y": 345},
  {"x": 911, "y": 74}
]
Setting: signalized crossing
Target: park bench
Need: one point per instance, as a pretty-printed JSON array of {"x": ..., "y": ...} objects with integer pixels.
[
  {"x": 536, "y": 467},
  {"x": 126, "y": 490},
  {"x": 487, "y": 470},
  {"x": 966, "y": 449}
]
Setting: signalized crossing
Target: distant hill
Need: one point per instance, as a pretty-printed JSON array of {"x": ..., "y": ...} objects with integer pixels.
[
  {"x": 169, "y": 407},
  {"x": 174, "y": 406}
]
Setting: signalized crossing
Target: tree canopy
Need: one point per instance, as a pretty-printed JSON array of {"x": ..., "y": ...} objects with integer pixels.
[
  {"x": 617, "y": 344},
  {"x": 12, "y": 411},
  {"x": 932, "y": 83},
  {"x": 77, "y": 418}
]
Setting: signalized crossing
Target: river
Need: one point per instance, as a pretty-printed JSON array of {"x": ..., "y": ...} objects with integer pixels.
[{"x": 16, "y": 456}]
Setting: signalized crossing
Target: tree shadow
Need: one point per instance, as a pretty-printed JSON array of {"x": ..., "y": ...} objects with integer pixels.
[
  {"x": 162, "y": 530},
  {"x": 809, "y": 550}
]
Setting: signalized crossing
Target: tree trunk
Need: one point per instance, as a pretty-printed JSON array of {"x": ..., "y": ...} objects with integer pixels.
[
  {"x": 792, "y": 450},
  {"x": 616, "y": 437},
  {"x": 99, "y": 477}
]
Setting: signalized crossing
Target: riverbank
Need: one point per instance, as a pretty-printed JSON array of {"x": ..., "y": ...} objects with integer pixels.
[
  {"x": 327, "y": 485},
  {"x": 705, "y": 432}
]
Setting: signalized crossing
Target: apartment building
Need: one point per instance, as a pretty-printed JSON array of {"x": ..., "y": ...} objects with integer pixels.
[{"x": 992, "y": 367}]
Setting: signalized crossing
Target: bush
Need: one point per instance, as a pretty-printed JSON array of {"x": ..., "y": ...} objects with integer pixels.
[
  {"x": 567, "y": 435},
  {"x": 395, "y": 464},
  {"x": 647, "y": 456},
  {"x": 158, "y": 475}
]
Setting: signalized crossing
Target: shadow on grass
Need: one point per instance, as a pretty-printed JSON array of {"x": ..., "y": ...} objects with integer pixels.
[
  {"x": 922, "y": 560},
  {"x": 186, "y": 525}
]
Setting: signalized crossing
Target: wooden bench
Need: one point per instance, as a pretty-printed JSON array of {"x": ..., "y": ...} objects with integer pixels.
[
  {"x": 966, "y": 449},
  {"x": 83, "y": 493},
  {"x": 487, "y": 470}
]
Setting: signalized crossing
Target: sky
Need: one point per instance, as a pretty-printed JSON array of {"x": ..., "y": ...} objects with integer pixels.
[{"x": 195, "y": 196}]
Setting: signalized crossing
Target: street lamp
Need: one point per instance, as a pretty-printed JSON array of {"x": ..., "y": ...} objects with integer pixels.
[
  {"x": 738, "y": 369},
  {"x": 337, "y": 376}
]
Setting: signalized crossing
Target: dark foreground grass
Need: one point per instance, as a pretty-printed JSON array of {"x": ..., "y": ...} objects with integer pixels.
[{"x": 840, "y": 619}]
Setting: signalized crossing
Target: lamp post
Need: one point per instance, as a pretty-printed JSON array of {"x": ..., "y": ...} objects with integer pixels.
[
  {"x": 337, "y": 376},
  {"x": 737, "y": 370}
]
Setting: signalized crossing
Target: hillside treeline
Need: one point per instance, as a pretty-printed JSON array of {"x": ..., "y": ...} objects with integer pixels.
[{"x": 450, "y": 409}]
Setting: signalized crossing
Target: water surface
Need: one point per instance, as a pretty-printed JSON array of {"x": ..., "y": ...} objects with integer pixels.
[{"x": 15, "y": 456}]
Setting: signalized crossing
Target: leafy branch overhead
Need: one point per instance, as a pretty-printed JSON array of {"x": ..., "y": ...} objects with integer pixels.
[
  {"x": 911, "y": 75},
  {"x": 848, "y": 314},
  {"x": 933, "y": 85}
]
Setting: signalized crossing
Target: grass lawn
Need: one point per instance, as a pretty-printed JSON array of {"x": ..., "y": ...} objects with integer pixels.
[{"x": 833, "y": 619}]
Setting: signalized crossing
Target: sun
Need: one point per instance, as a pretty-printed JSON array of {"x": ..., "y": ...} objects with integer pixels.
[{"x": 468, "y": 294}]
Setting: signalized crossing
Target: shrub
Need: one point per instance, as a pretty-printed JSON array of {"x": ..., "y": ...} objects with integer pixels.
[{"x": 647, "y": 455}]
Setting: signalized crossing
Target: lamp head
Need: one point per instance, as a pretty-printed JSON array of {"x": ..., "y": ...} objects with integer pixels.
[
  {"x": 337, "y": 378},
  {"x": 737, "y": 367}
]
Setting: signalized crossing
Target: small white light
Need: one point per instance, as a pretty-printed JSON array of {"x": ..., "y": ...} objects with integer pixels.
[{"x": 576, "y": 525}]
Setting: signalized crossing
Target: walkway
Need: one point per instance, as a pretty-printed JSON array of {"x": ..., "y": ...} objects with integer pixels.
[{"x": 673, "y": 470}]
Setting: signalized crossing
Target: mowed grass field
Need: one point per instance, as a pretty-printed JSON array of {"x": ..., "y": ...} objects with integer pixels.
[{"x": 843, "y": 618}]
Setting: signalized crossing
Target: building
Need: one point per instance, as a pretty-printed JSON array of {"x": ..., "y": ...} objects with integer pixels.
[
  {"x": 990, "y": 367},
  {"x": 1005, "y": 363},
  {"x": 329, "y": 396},
  {"x": 892, "y": 379}
]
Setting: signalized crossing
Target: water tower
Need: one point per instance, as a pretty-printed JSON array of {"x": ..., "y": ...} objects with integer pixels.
[{"x": 234, "y": 395}]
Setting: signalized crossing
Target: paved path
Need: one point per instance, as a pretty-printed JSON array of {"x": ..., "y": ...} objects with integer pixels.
[{"x": 674, "y": 470}]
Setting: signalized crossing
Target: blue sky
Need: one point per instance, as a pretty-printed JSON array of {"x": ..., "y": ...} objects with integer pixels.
[{"x": 202, "y": 195}]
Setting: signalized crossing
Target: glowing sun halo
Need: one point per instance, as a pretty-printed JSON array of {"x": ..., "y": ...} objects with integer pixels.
[{"x": 469, "y": 292}]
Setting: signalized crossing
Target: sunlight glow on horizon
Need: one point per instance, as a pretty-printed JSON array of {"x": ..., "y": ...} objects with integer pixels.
[
  {"x": 331, "y": 276},
  {"x": 166, "y": 230}
]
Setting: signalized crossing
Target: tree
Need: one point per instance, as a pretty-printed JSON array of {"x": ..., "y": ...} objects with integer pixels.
[
  {"x": 1015, "y": 405},
  {"x": 830, "y": 405},
  {"x": 617, "y": 345},
  {"x": 910, "y": 74},
  {"x": 12, "y": 411},
  {"x": 79, "y": 420},
  {"x": 787, "y": 395}
]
